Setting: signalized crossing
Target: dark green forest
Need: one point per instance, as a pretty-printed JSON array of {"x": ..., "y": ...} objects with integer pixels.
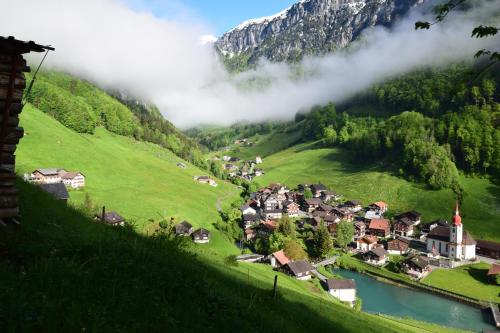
[
  {"x": 81, "y": 106},
  {"x": 428, "y": 125}
]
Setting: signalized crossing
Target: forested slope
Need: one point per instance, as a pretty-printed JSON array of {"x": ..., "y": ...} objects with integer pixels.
[{"x": 430, "y": 124}]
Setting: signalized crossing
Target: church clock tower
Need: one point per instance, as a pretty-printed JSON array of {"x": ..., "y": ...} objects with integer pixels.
[{"x": 456, "y": 234}]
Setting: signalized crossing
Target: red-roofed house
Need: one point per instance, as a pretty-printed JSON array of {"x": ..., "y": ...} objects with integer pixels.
[
  {"x": 279, "y": 259},
  {"x": 366, "y": 243},
  {"x": 379, "y": 206},
  {"x": 379, "y": 227}
]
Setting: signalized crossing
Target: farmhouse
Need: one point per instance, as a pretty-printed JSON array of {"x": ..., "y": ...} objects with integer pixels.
[
  {"x": 426, "y": 228},
  {"x": 249, "y": 220},
  {"x": 359, "y": 229},
  {"x": 380, "y": 207},
  {"x": 246, "y": 209},
  {"x": 279, "y": 259},
  {"x": 377, "y": 256},
  {"x": 344, "y": 290},
  {"x": 300, "y": 269},
  {"x": 329, "y": 195},
  {"x": 379, "y": 227},
  {"x": 292, "y": 209},
  {"x": 258, "y": 160},
  {"x": 273, "y": 214},
  {"x": 452, "y": 241},
  {"x": 404, "y": 223},
  {"x": 205, "y": 180},
  {"x": 366, "y": 243},
  {"x": 73, "y": 179},
  {"x": 343, "y": 213},
  {"x": 312, "y": 204},
  {"x": 181, "y": 165},
  {"x": 201, "y": 236},
  {"x": 183, "y": 229},
  {"x": 353, "y": 205},
  {"x": 57, "y": 190},
  {"x": 47, "y": 176},
  {"x": 111, "y": 218},
  {"x": 416, "y": 266},
  {"x": 318, "y": 189},
  {"x": 398, "y": 246}
]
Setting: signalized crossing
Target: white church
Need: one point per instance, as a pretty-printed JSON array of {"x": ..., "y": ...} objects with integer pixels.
[{"x": 452, "y": 241}]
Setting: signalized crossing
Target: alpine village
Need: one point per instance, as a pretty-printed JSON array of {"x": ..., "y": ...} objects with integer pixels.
[{"x": 294, "y": 174}]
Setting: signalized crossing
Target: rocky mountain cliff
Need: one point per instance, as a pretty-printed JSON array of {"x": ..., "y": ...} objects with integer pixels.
[{"x": 308, "y": 27}]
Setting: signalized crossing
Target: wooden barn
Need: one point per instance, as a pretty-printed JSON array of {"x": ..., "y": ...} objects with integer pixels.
[{"x": 12, "y": 85}]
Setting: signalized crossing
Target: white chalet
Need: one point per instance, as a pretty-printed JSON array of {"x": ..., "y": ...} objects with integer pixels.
[{"x": 73, "y": 179}]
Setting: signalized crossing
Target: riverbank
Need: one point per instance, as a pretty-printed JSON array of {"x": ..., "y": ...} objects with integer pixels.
[
  {"x": 389, "y": 299},
  {"x": 350, "y": 263}
]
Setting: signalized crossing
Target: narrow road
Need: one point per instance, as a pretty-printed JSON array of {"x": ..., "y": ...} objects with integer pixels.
[{"x": 320, "y": 276}]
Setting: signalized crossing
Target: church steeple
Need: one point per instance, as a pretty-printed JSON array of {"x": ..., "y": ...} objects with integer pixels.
[{"x": 457, "y": 220}]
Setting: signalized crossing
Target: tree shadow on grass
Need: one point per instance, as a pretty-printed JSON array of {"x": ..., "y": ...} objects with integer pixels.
[
  {"x": 79, "y": 274},
  {"x": 479, "y": 274}
]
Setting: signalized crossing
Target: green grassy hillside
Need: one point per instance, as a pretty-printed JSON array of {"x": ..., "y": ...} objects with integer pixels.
[
  {"x": 369, "y": 182},
  {"x": 139, "y": 180}
]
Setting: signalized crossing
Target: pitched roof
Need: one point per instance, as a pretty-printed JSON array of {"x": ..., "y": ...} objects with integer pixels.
[
  {"x": 419, "y": 261},
  {"x": 400, "y": 244},
  {"x": 360, "y": 225},
  {"x": 300, "y": 266},
  {"x": 57, "y": 190},
  {"x": 183, "y": 227},
  {"x": 352, "y": 203},
  {"x": 379, "y": 224},
  {"x": 467, "y": 239},
  {"x": 270, "y": 225},
  {"x": 314, "y": 201},
  {"x": 113, "y": 218},
  {"x": 48, "y": 171},
  {"x": 441, "y": 233},
  {"x": 488, "y": 245},
  {"x": 318, "y": 187},
  {"x": 281, "y": 257},
  {"x": 70, "y": 175},
  {"x": 414, "y": 215},
  {"x": 251, "y": 217},
  {"x": 368, "y": 239},
  {"x": 379, "y": 252},
  {"x": 201, "y": 233},
  {"x": 494, "y": 270},
  {"x": 380, "y": 204},
  {"x": 341, "y": 284}
]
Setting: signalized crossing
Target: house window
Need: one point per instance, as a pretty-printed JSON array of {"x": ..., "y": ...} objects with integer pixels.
[{"x": 439, "y": 247}]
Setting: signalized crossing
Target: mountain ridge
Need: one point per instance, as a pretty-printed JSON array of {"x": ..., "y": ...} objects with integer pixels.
[{"x": 309, "y": 27}]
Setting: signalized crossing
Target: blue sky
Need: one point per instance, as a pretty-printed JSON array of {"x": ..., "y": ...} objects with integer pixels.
[{"x": 220, "y": 15}]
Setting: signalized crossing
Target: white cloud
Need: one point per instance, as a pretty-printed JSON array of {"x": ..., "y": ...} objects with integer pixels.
[{"x": 164, "y": 61}]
